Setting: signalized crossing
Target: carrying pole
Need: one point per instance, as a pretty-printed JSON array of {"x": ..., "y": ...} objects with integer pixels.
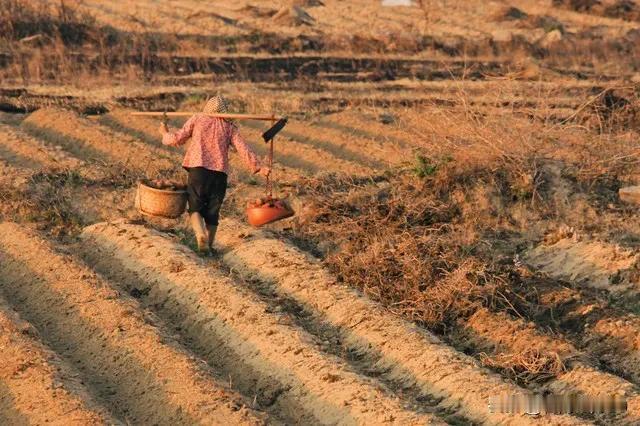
[{"x": 261, "y": 117}]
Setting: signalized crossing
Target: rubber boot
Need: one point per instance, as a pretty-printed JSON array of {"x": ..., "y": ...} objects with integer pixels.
[
  {"x": 197, "y": 223},
  {"x": 212, "y": 235}
]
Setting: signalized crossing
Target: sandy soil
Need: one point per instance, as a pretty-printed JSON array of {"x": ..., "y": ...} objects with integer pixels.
[
  {"x": 507, "y": 337},
  {"x": 227, "y": 341},
  {"x": 366, "y": 19},
  {"x": 309, "y": 386},
  {"x": 593, "y": 263},
  {"x": 312, "y": 158},
  {"x": 36, "y": 387},
  {"x": 120, "y": 354},
  {"x": 409, "y": 354},
  {"x": 26, "y": 152},
  {"x": 90, "y": 140}
]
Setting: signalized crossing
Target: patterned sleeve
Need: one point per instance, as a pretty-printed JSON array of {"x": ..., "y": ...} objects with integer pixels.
[
  {"x": 181, "y": 136},
  {"x": 248, "y": 156}
]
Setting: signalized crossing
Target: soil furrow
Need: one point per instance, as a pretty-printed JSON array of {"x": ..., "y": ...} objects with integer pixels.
[
  {"x": 89, "y": 140},
  {"x": 604, "y": 331},
  {"x": 409, "y": 354},
  {"x": 316, "y": 158},
  {"x": 335, "y": 149},
  {"x": 98, "y": 217},
  {"x": 518, "y": 343},
  {"x": 385, "y": 153},
  {"x": 370, "y": 129},
  {"x": 25, "y": 151},
  {"x": 284, "y": 155},
  {"x": 330, "y": 342},
  {"x": 36, "y": 387},
  {"x": 279, "y": 68},
  {"x": 369, "y": 126},
  {"x": 140, "y": 372},
  {"x": 264, "y": 353}
]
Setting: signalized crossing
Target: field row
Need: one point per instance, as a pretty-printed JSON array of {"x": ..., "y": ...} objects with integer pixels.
[
  {"x": 129, "y": 258},
  {"x": 287, "y": 370}
]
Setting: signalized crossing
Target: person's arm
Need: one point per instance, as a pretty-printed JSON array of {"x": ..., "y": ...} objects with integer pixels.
[
  {"x": 248, "y": 156},
  {"x": 179, "y": 137}
]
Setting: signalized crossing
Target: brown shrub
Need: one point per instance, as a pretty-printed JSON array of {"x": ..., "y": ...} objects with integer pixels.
[
  {"x": 433, "y": 242},
  {"x": 47, "y": 42},
  {"x": 529, "y": 366},
  {"x": 398, "y": 241},
  {"x": 621, "y": 9},
  {"x": 20, "y": 19}
]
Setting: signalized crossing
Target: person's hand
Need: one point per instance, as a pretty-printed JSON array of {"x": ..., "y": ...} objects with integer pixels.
[
  {"x": 264, "y": 171},
  {"x": 163, "y": 128}
]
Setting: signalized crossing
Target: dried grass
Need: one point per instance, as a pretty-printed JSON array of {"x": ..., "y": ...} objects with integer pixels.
[
  {"x": 628, "y": 10},
  {"x": 430, "y": 241},
  {"x": 60, "y": 42},
  {"x": 48, "y": 198},
  {"x": 46, "y": 201},
  {"x": 396, "y": 241},
  {"x": 530, "y": 366}
]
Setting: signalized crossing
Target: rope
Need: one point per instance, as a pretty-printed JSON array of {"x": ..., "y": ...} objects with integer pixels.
[{"x": 269, "y": 184}]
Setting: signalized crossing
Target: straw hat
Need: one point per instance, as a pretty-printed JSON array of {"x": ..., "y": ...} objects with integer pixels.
[{"x": 216, "y": 105}]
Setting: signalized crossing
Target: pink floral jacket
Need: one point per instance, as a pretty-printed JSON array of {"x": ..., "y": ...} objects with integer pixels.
[{"x": 210, "y": 141}]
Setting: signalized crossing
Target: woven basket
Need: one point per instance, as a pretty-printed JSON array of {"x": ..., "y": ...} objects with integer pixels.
[{"x": 160, "y": 202}]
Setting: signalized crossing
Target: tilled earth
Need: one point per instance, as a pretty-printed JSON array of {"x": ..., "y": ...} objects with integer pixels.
[{"x": 110, "y": 318}]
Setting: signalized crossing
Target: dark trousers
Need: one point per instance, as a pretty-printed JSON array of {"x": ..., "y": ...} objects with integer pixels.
[{"x": 206, "y": 190}]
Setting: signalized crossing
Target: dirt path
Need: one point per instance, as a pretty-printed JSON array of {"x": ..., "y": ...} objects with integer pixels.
[
  {"x": 140, "y": 372},
  {"x": 409, "y": 354},
  {"x": 264, "y": 354},
  {"x": 36, "y": 387}
]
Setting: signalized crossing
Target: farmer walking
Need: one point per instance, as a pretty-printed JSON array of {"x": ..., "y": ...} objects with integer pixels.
[{"x": 207, "y": 163}]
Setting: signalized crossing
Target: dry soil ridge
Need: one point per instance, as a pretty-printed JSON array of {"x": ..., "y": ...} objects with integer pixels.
[
  {"x": 211, "y": 308},
  {"x": 27, "y": 152},
  {"x": 411, "y": 354},
  {"x": 516, "y": 337},
  {"x": 85, "y": 138},
  {"x": 36, "y": 387},
  {"x": 124, "y": 358}
]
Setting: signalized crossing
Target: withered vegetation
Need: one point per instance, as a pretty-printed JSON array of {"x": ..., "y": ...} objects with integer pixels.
[{"x": 439, "y": 239}]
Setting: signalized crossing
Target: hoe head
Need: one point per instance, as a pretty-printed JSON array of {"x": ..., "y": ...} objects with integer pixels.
[{"x": 273, "y": 131}]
